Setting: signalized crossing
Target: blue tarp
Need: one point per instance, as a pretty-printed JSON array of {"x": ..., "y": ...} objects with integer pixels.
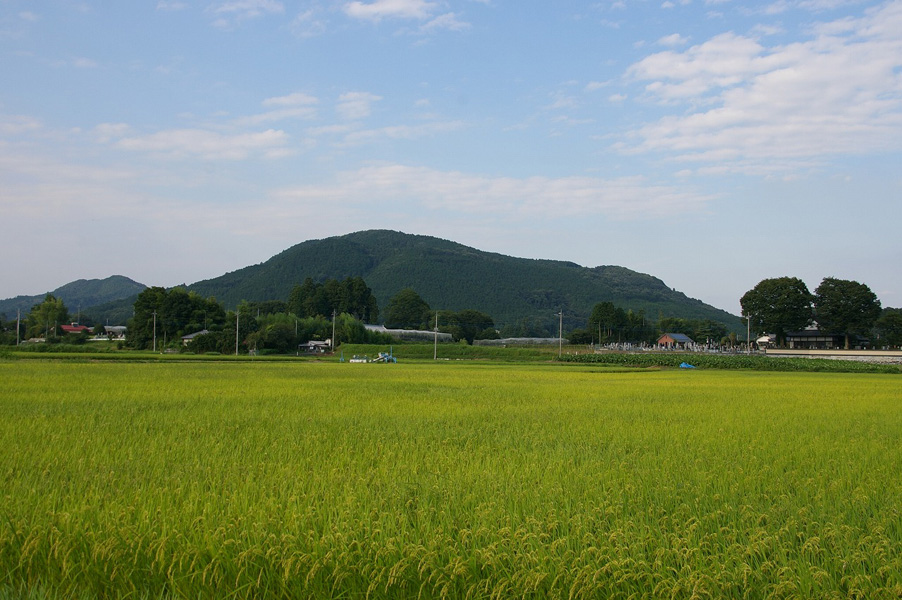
[{"x": 686, "y": 365}]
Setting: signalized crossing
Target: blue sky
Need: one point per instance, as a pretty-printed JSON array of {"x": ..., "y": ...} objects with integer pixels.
[{"x": 711, "y": 144}]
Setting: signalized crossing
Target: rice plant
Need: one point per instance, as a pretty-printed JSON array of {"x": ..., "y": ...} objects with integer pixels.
[{"x": 325, "y": 480}]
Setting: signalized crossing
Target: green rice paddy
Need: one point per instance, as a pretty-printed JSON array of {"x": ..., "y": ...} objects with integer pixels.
[{"x": 449, "y": 480}]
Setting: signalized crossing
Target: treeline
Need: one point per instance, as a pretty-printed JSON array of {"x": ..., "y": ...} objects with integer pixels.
[
  {"x": 163, "y": 317},
  {"x": 332, "y": 297},
  {"x": 45, "y": 321},
  {"x": 609, "y": 324},
  {"x": 781, "y": 305},
  {"x": 407, "y": 310}
]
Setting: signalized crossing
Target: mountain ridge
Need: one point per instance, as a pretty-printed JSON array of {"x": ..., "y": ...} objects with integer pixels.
[
  {"x": 78, "y": 295},
  {"x": 451, "y": 276},
  {"x": 446, "y": 274}
]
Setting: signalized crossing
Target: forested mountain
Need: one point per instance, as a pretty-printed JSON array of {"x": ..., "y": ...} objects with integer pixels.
[
  {"x": 451, "y": 276},
  {"x": 78, "y": 295}
]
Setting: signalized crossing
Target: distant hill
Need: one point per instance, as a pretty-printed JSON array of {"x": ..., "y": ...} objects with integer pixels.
[
  {"x": 451, "y": 276},
  {"x": 81, "y": 294}
]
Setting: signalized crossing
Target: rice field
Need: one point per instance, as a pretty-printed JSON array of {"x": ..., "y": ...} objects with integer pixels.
[{"x": 450, "y": 480}]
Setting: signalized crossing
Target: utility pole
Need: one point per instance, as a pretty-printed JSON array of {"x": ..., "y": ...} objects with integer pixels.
[
  {"x": 560, "y": 335},
  {"x": 435, "y": 350},
  {"x": 154, "y": 331},
  {"x": 18, "y": 324},
  {"x": 333, "y": 331},
  {"x": 748, "y": 334},
  {"x": 237, "y": 313}
]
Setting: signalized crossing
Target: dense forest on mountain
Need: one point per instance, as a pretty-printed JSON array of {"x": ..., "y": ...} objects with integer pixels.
[
  {"x": 78, "y": 295},
  {"x": 520, "y": 295},
  {"x": 451, "y": 276}
]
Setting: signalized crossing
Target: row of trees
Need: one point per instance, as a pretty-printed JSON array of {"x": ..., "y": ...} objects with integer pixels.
[
  {"x": 162, "y": 317},
  {"x": 407, "y": 310},
  {"x": 44, "y": 321},
  {"x": 608, "y": 323},
  {"x": 351, "y": 296},
  {"x": 842, "y": 307}
]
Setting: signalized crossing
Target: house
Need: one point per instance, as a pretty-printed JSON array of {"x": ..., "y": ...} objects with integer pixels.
[
  {"x": 815, "y": 339},
  {"x": 115, "y": 332},
  {"x": 187, "y": 339},
  {"x": 675, "y": 340},
  {"x": 75, "y": 328},
  {"x": 315, "y": 347},
  {"x": 766, "y": 341}
]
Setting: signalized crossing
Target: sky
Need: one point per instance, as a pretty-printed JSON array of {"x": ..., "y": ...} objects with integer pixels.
[{"x": 709, "y": 143}]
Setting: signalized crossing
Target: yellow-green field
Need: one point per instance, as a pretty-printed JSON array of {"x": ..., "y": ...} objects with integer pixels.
[{"x": 457, "y": 480}]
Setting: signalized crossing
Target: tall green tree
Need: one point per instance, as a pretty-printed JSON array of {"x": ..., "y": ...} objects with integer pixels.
[
  {"x": 175, "y": 312},
  {"x": 45, "y": 317},
  {"x": 406, "y": 310},
  {"x": 844, "y": 306},
  {"x": 778, "y": 305},
  {"x": 351, "y": 296},
  {"x": 889, "y": 327},
  {"x": 607, "y": 321},
  {"x": 468, "y": 324}
]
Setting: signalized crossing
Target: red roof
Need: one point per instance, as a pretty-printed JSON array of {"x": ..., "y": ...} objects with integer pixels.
[{"x": 75, "y": 328}]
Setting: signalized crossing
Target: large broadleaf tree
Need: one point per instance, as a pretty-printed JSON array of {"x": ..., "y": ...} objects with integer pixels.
[{"x": 778, "y": 306}]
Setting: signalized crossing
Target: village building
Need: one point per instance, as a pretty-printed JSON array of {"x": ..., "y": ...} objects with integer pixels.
[
  {"x": 815, "y": 339},
  {"x": 75, "y": 328},
  {"x": 674, "y": 341},
  {"x": 187, "y": 339}
]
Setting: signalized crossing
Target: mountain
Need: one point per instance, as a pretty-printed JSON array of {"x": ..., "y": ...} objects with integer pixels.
[
  {"x": 451, "y": 276},
  {"x": 78, "y": 295}
]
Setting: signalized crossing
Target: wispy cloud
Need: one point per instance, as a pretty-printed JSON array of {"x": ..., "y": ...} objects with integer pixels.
[
  {"x": 762, "y": 109},
  {"x": 11, "y": 125},
  {"x": 172, "y": 6},
  {"x": 230, "y": 13},
  {"x": 295, "y": 99},
  {"x": 429, "y": 14},
  {"x": 200, "y": 143},
  {"x": 391, "y": 9},
  {"x": 672, "y": 40},
  {"x": 307, "y": 24},
  {"x": 400, "y": 132},
  {"x": 621, "y": 198},
  {"x": 292, "y": 106},
  {"x": 353, "y": 106},
  {"x": 448, "y": 21}
]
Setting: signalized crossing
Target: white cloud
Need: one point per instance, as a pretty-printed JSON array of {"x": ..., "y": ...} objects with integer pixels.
[
  {"x": 171, "y": 6},
  {"x": 447, "y": 21},
  {"x": 108, "y": 132},
  {"x": 765, "y": 109},
  {"x": 307, "y": 24},
  {"x": 17, "y": 124},
  {"x": 249, "y": 8},
  {"x": 210, "y": 145},
  {"x": 235, "y": 11},
  {"x": 292, "y": 106},
  {"x": 672, "y": 40},
  {"x": 354, "y": 106},
  {"x": 84, "y": 63},
  {"x": 296, "y": 99},
  {"x": 622, "y": 198},
  {"x": 393, "y": 9},
  {"x": 400, "y": 132}
]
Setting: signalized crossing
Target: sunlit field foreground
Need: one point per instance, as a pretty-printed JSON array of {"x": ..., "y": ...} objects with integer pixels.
[{"x": 305, "y": 480}]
